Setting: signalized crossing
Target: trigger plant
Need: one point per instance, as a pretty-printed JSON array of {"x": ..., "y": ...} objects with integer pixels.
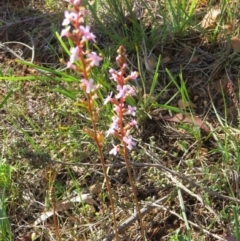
[
  {"x": 123, "y": 119},
  {"x": 82, "y": 61}
]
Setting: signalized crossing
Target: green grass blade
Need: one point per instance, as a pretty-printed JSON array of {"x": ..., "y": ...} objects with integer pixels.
[
  {"x": 154, "y": 82},
  {"x": 139, "y": 71},
  {"x": 184, "y": 213},
  {"x": 6, "y": 98},
  {"x": 66, "y": 93},
  {"x": 192, "y": 7}
]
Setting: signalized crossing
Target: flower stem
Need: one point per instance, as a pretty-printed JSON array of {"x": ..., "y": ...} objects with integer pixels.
[
  {"x": 125, "y": 155},
  {"x": 100, "y": 152},
  {"x": 133, "y": 190}
]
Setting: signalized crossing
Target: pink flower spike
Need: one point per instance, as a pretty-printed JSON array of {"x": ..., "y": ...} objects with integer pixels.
[
  {"x": 108, "y": 99},
  {"x": 95, "y": 59},
  {"x": 89, "y": 86},
  {"x": 114, "y": 150},
  {"x": 131, "y": 110},
  {"x": 87, "y": 35}
]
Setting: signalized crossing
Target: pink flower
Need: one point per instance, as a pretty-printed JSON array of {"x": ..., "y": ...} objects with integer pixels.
[
  {"x": 70, "y": 65},
  {"x": 121, "y": 92},
  {"x": 89, "y": 86},
  {"x": 129, "y": 141},
  {"x": 120, "y": 127},
  {"x": 114, "y": 74},
  {"x": 129, "y": 90},
  {"x": 95, "y": 59},
  {"x": 116, "y": 108},
  {"x": 134, "y": 75},
  {"x": 133, "y": 123},
  {"x": 114, "y": 126},
  {"x": 65, "y": 32},
  {"x": 74, "y": 54},
  {"x": 74, "y": 2},
  {"x": 114, "y": 150},
  {"x": 131, "y": 110},
  {"x": 87, "y": 35},
  {"x": 124, "y": 91},
  {"x": 110, "y": 131},
  {"x": 69, "y": 17},
  {"x": 115, "y": 120},
  {"x": 109, "y": 97}
]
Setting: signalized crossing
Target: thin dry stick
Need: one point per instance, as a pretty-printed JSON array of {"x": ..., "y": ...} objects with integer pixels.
[
  {"x": 5, "y": 47},
  {"x": 33, "y": 46}
]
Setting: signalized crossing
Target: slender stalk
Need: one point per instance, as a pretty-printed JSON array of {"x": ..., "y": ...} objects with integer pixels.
[
  {"x": 80, "y": 35},
  {"x": 133, "y": 190},
  {"x": 99, "y": 147},
  {"x": 109, "y": 189},
  {"x": 125, "y": 156},
  {"x": 120, "y": 128}
]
